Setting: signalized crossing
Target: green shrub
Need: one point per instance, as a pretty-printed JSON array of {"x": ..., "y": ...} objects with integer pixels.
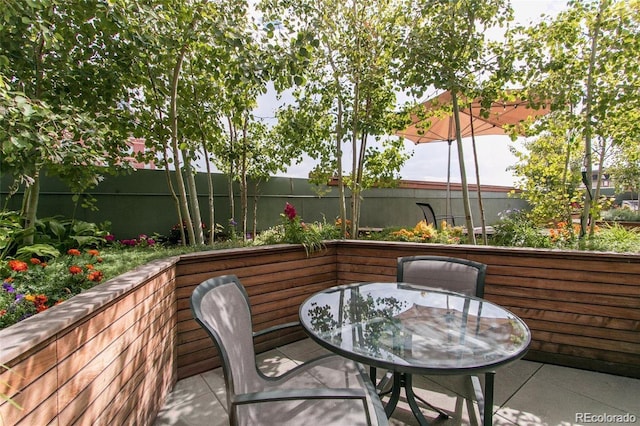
[
  {"x": 515, "y": 229},
  {"x": 623, "y": 214},
  {"x": 293, "y": 230},
  {"x": 615, "y": 238},
  {"x": 11, "y": 232},
  {"x": 52, "y": 236}
]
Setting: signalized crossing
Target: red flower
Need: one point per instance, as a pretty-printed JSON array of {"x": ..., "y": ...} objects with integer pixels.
[
  {"x": 40, "y": 301},
  {"x": 95, "y": 276},
  {"x": 35, "y": 261},
  {"x": 74, "y": 252},
  {"x": 18, "y": 265},
  {"x": 2, "y": 312},
  {"x": 75, "y": 270},
  {"x": 94, "y": 253},
  {"x": 290, "y": 211}
]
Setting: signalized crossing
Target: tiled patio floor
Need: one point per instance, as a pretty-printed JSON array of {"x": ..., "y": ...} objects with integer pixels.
[{"x": 526, "y": 393}]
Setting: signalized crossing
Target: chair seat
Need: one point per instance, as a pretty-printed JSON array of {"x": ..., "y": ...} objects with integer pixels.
[
  {"x": 327, "y": 391},
  {"x": 332, "y": 372}
]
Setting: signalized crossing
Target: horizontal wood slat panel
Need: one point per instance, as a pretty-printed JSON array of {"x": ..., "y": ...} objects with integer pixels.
[
  {"x": 581, "y": 286},
  {"x": 580, "y": 297},
  {"x": 623, "y": 336},
  {"x": 35, "y": 397},
  {"x": 276, "y": 282},
  {"x": 110, "y": 355},
  {"x": 109, "y": 334},
  {"x": 577, "y": 319},
  {"x": 578, "y": 304},
  {"x": 558, "y": 306}
]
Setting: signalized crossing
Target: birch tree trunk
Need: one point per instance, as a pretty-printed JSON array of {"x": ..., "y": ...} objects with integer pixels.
[
  {"x": 173, "y": 117},
  {"x": 463, "y": 172},
  {"x": 588, "y": 164}
]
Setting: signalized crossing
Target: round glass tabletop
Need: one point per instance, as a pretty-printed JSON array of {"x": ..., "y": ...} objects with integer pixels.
[{"x": 413, "y": 329}]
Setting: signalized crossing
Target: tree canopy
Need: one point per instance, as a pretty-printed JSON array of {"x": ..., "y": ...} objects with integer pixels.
[{"x": 78, "y": 79}]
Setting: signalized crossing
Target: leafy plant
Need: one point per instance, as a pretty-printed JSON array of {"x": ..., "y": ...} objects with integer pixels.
[
  {"x": 69, "y": 233},
  {"x": 293, "y": 230},
  {"x": 516, "y": 229},
  {"x": 615, "y": 238},
  {"x": 624, "y": 214},
  {"x": 10, "y": 232},
  {"x": 51, "y": 236}
]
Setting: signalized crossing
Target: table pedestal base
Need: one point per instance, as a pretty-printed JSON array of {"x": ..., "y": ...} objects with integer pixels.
[{"x": 405, "y": 380}]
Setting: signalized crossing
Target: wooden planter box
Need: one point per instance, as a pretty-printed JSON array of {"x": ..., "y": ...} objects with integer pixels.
[{"x": 112, "y": 354}]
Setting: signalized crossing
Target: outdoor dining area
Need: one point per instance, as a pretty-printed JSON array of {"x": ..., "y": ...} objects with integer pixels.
[
  {"x": 518, "y": 336},
  {"x": 441, "y": 344},
  {"x": 526, "y": 393}
]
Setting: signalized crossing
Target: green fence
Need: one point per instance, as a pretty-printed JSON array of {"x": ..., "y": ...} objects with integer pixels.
[{"x": 141, "y": 202}]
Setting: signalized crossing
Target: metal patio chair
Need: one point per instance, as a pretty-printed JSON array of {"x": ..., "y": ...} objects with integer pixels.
[
  {"x": 431, "y": 218},
  {"x": 446, "y": 273},
  {"x": 330, "y": 390}
]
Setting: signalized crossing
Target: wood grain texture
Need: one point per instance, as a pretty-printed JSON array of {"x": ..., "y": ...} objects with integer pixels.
[{"x": 111, "y": 355}]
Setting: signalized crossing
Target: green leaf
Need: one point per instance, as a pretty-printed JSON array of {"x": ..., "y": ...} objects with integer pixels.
[
  {"x": 41, "y": 250},
  {"x": 57, "y": 228}
]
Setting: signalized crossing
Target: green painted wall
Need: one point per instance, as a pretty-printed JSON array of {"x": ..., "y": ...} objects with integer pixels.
[{"x": 140, "y": 203}]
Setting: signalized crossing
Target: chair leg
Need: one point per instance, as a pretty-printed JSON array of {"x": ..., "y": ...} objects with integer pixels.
[
  {"x": 384, "y": 384},
  {"x": 441, "y": 413}
]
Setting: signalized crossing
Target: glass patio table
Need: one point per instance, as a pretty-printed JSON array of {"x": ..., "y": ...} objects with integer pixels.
[{"x": 409, "y": 329}]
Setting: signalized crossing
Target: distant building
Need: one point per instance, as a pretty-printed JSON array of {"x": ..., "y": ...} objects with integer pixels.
[{"x": 137, "y": 145}]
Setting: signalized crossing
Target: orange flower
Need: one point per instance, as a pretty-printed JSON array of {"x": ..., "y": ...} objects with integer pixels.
[
  {"x": 88, "y": 266},
  {"x": 94, "y": 253},
  {"x": 75, "y": 270},
  {"x": 74, "y": 252},
  {"x": 2, "y": 312},
  {"x": 40, "y": 308},
  {"x": 95, "y": 276},
  {"x": 35, "y": 261},
  {"x": 18, "y": 265}
]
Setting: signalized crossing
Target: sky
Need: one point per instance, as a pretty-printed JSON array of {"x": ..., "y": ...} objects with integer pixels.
[{"x": 429, "y": 161}]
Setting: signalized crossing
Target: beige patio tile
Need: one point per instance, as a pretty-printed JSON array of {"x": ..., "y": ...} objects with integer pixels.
[
  {"x": 193, "y": 409},
  {"x": 303, "y": 351},
  {"x": 546, "y": 400},
  {"x": 527, "y": 394}
]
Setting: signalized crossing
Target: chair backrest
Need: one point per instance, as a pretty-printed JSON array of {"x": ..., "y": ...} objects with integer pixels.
[
  {"x": 221, "y": 306},
  {"x": 448, "y": 273},
  {"x": 429, "y": 214}
]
